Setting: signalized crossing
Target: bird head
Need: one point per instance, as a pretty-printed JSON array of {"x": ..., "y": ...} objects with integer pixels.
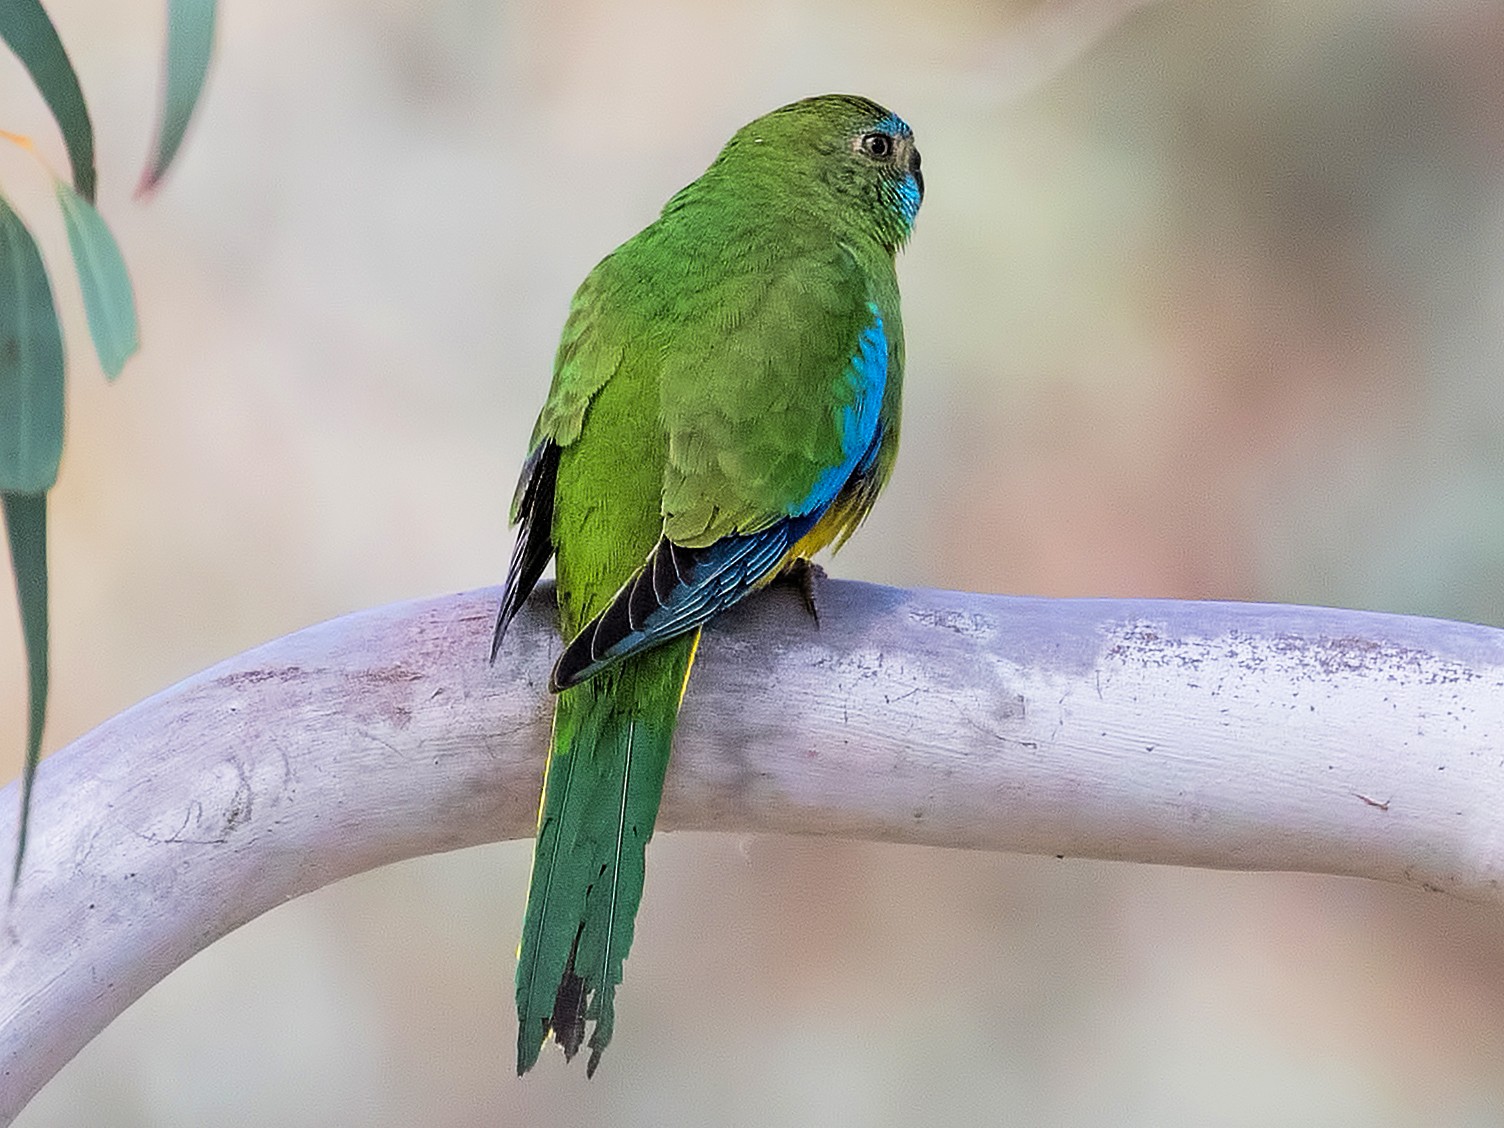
[{"x": 838, "y": 153}]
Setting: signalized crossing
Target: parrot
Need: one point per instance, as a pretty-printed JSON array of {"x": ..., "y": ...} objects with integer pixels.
[{"x": 725, "y": 404}]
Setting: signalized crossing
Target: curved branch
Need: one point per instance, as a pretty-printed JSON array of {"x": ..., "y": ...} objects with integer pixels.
[{"x": 1230, "y": 735}]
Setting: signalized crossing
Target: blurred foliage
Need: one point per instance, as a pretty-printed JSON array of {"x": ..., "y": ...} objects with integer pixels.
[
  {"x": 26, "y": 29},
  {"x": 190, "y": 43},
  {"x": 31, "y": 350}
]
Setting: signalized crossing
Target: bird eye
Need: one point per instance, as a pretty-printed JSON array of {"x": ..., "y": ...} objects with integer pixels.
[{"x": 879, "y": 146}]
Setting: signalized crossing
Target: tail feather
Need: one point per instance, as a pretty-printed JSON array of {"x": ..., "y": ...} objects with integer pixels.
[{"x": 600, "y": 799}]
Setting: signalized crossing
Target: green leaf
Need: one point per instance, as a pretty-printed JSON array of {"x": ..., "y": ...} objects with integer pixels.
[
  {"x": 31, "y": 443},
  {"x": 30, "y": 34},
  {"x": 26, "y": 527},
  {"x": 101, "y": 274},
  {"x": 190, "y": 42},
  {"x": 31, "y": 363}
]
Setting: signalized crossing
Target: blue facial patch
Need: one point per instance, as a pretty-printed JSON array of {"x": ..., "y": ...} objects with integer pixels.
[
  {"x": 903, "y": 195},
  {"x": 895, "y": 125},
  {"x": 909, "y": 198}
]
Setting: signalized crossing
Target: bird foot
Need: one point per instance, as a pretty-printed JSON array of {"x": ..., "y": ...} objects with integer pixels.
[{"x": 806, "y": 575}]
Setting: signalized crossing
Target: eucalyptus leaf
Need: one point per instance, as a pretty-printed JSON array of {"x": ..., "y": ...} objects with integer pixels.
[
  {"x": 31, "y": 443},
  {"x": 26, "y": 28},
  {"x": 190, "y": 43},
  {"x": 108, "y": 300},
  {"x": 26, "y": 529},
  {"x": 31, "y": 363}
]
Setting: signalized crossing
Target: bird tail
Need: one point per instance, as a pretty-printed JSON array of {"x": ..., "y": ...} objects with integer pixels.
[{"x": 601, "y": 791}]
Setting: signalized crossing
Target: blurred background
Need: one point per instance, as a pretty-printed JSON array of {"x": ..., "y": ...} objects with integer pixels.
[{"x": 1205, "y": 302}]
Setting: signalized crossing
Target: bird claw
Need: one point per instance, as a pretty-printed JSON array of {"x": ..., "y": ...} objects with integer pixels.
[{"x": 806, "y": 575}]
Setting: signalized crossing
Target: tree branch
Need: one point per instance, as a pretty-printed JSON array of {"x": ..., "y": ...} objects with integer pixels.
[{"x": 1230, "y": 735}]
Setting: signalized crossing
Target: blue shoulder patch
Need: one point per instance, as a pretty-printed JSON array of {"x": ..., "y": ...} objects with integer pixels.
[{"x": 867, "y": 376}]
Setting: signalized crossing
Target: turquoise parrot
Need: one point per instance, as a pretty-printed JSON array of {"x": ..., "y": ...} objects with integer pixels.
[{"x": 725, "y": 403}]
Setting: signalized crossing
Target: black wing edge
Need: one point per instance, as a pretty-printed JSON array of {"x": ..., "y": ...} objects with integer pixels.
[
  {"x": 534, "y": 512},
  {"x": 676, "y": 590}
]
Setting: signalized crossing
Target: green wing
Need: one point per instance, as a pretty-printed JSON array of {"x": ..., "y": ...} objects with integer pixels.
[
  {"x": 757, "y": 407},
  {"x": 771, "y": 426}
]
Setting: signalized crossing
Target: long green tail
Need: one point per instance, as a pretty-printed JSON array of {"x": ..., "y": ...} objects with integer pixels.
[{"x": 600, "y": 799}]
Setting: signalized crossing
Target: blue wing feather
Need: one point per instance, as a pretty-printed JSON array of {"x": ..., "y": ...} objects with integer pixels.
[{"x": 709, "y": 580}]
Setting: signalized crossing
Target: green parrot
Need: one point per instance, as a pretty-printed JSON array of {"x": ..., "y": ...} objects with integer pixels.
[{"x": 725, "y": 404}]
